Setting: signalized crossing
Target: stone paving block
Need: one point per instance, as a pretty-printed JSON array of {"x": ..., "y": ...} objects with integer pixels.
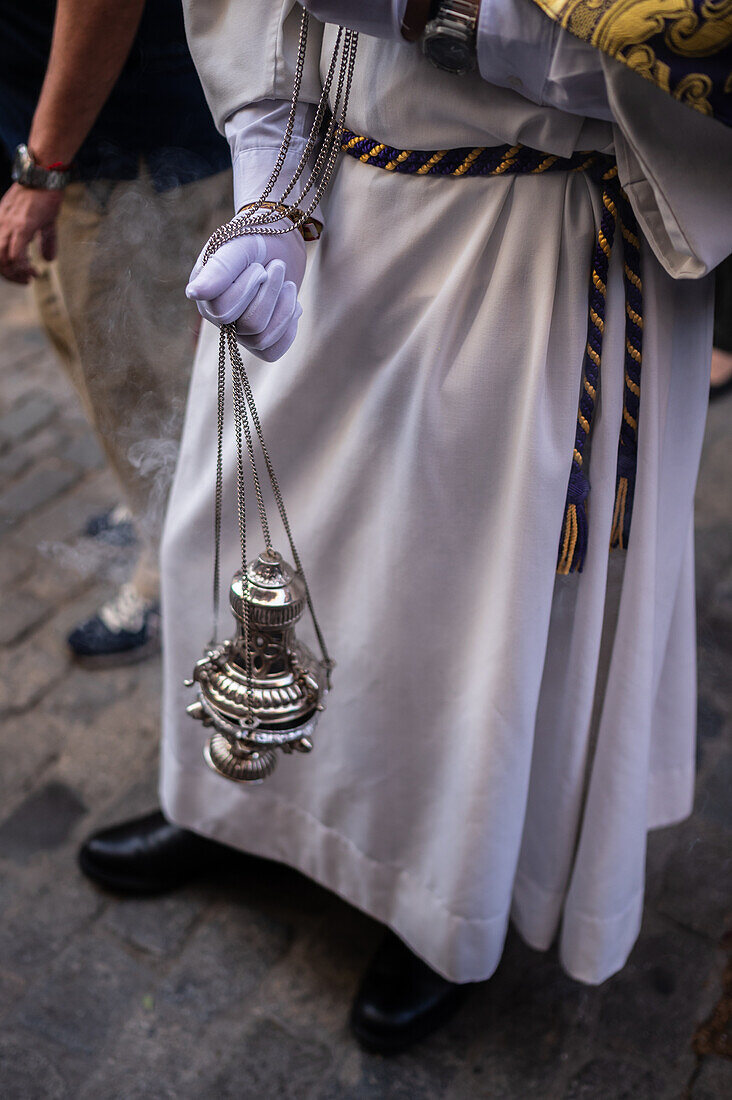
[
  {"x": 713, "y": 665},
  {"x": 52, "y": 584},
  {"x": 709, "y": 726},
  {"x": 12, "y": 464},
  {"x": 83, "y": 451},
  {"x": 714, "y": 488},
  {"x": 714, "y": 796},
  {"x": 25, "y": 417},
  {"x": 40, "y": 823},
  {"x": 714, "y": 1080},
  {"x": 401, "y": 1077},
  {"x": 653, "y": 1005},
  {"x": 46, "y": 441},
  {"x": 66, "y": 518},
  {"x": 27, "y": 1073},
  {"x": 253, "y": 1058},
  {"x": 16, "y": 561},
  {"x": 43, "y": 484},
  {"x": 427, "y": 1071},
  {"x": 720, "y": 612},
  {"x": 51, "y": 905},
  {"x": 318, "y": 977},
  {"x": 84, "y": 694},
  {"x": 134, "y": 801},
  {"x": 662, "y": 844},
  {"x": 697, "y": 881},
  {"x": 149, "y": 1059},
  {"x": 223, "y": 963},
  {"x": 712, "y": 554},
  {"x": 20, "y": 613},
  {"x": 268, "y": 1060},
  {"x": 611, "y": 1079},
  {"x": 156, "y": 925},
  {"x": 119, "y": 746},
  {"x": 88, "y": 992},
  {"x": 29, "y": 671},
  {"x": 21, "y": 346},
  {"x": 12, "y": 987},
  {"x": 29, "y": 745}
]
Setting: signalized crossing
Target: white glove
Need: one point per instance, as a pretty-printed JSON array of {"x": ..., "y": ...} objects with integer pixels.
[
  {"x": 254, "y": 281},
  {"x": 380, "y": 18}
]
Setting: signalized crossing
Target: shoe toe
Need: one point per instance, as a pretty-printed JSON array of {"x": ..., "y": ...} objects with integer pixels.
[
  {"x": 90, "y": 637},
  {"x": 93, "y": 640},
  {"x": 400, "y": 1000},
  {"x": 148, "y": 855}
]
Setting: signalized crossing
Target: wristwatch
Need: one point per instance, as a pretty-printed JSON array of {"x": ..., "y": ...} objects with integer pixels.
[
  {"x": 449, "y": 39},
  {"x": 26, "y": 172}
]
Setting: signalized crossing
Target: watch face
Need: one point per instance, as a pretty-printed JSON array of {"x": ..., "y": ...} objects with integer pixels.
[{"x": 450, "y": 52}]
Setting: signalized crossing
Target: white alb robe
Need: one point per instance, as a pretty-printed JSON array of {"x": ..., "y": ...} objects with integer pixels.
[{"x": 498, "y": 740}]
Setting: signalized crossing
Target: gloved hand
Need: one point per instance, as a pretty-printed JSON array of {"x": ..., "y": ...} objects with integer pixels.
[
  {"x": 380, "y": 18},
  {"x": 253, "y": 280}
]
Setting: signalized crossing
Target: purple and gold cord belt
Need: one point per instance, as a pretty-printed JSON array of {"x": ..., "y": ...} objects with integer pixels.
[{"x": 616, "y": 214}]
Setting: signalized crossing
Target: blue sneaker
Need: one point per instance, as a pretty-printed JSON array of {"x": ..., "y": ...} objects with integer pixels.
[
  {"x": 113, "y": 527},
  {"x": 125, "y": 630}
]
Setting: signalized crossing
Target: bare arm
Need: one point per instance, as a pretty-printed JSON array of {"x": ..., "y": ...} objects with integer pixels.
[{"x": 91, "y": 41}]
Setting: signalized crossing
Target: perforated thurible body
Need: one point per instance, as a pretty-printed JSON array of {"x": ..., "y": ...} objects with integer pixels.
[{"x": 266, "y": 694}]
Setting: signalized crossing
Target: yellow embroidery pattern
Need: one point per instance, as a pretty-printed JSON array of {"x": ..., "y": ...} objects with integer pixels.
[{"x": 658, "y": 39}]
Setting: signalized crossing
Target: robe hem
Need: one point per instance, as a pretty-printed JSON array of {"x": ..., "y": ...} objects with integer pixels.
[
  {"x": 382, "y": 891},
  {"x": 537, "y": 914},
  {"x": 388, "y": 893}
]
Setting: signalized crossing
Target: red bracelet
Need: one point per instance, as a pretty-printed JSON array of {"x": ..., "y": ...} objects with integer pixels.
[
  {"x": 416, "y": 18},
  {"x": 57, "y": 166}
]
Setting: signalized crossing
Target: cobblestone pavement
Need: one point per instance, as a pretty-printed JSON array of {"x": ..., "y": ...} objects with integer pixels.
[{"x": 240, "y": 986}]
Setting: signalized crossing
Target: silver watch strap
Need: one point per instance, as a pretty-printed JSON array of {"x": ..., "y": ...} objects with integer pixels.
[
  {"x": 27, "y": 173},
  {"x": 463, "y": 13}
]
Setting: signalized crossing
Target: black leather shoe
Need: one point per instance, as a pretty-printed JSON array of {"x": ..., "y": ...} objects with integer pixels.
[
  {"x": 147, "y": 855},
  {"x": 401, "y": 999}
]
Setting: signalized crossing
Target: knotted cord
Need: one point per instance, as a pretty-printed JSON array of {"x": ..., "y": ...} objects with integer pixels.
[{"x": 616, "y": 212}]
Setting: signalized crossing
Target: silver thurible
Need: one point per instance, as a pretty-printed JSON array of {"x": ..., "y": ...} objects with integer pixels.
[{"x": 263, "y": 689}]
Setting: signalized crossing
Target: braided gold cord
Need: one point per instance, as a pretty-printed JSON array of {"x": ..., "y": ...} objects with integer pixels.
[
  {"x": 398, "y": 160},
  {"x": 470, "y": 159},
  {"x": 434, "y": 159}
]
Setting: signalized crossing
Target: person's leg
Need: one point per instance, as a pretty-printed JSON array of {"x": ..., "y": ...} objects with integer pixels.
[
  {"x": 115, "y": 309},
  {"x": 124, "y": 257}
]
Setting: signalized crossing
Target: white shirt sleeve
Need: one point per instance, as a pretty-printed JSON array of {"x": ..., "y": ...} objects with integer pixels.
[
  {"x": 255, "y": 135},
  {"x": 380, "y": 18},
  {"x": 519, "y": 47},
  {"x": 676, "y": 167},
  {"x": 246, "y": 51}
]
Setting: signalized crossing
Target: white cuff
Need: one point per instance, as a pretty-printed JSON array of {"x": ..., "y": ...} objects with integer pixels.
[
  {"x": 255, "y": 136},
  {"x": 515, "y": 46},
  {"x": 520, "y": 47},
  {"x": 379, "y": 18}
]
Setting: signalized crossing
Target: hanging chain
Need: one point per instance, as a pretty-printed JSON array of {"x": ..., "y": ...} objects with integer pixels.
[
  {"x": 220, "y": 404},
  {"x": 277, "y": 492},
  {"x": 260, "y": 219}
]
